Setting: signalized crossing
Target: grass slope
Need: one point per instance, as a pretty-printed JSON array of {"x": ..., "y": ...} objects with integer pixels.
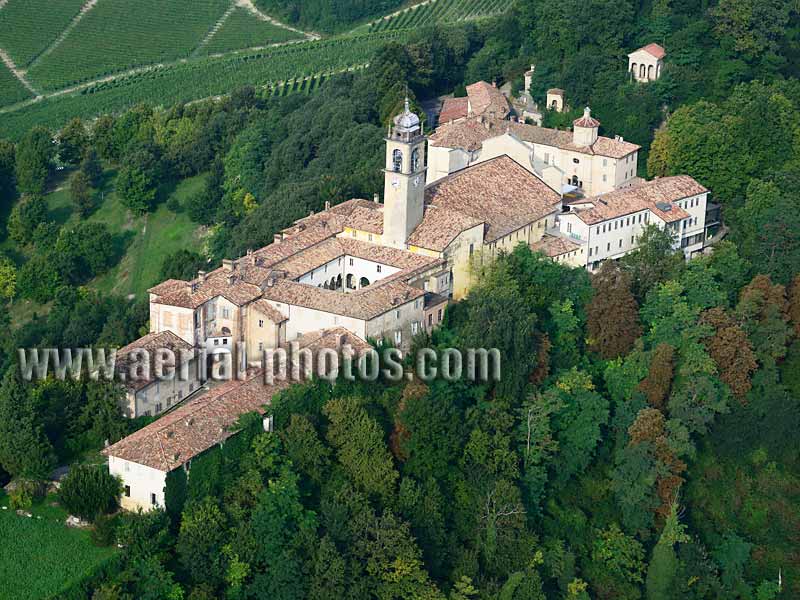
[
  {"x": 28, "y": 27},
  {"x": 117, "y": 35},
  {"x": 243, "y": 29},
  {"x": 11, "y": 90},
  {"x": 40, "y": 557},
  {"x": 440, "y": 11},
  {"x": 195, "y": 79}
]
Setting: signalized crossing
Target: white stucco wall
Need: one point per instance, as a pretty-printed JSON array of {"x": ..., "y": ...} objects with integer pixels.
[{"x": 142, "y": 481}]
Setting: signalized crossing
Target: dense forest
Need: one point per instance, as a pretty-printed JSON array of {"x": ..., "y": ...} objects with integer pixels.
[{"x": 643, "y": 441}]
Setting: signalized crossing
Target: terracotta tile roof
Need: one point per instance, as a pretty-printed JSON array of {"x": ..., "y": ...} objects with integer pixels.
[
  {"x": 363, "y": 304},
  {"x": 556, "y": 91},
  {"x": 369, "y": 219},
  {"x": 229, "y": 285},
  {"x": 586, "y": 120},
  {"x": 432, "y": 300},
  {"x": 645, "y": 196},
  {"x": 152, "y": 342},
  {"x": 266, "y": 309},
  {"x": 553, "y": 245},
  {"x": 471, "y": 133},
  {"x": 197, "y": 425},
  {"x": 499, "y": 192},
  {"x": 454, "y": 108},
  {"x": 653, "y": 50},
  {"x": 485, "y": 98},
  {"x": 332, "y": 339},
  {"x": 439, "y": 227}
]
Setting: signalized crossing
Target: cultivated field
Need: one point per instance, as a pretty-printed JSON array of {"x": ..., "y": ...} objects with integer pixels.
[
  {"x": 440, "y": 11},
  {"x": 28, "y": 27},
  {"x": 243, "y": 29},
  {"x": 116, "y": 35},
  {"x": 41, "y": 557},
  {"x": 11, "y": 90},
  {"x": 200, "y": 78}
]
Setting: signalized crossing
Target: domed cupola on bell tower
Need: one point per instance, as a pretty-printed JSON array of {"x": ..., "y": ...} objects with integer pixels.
[{"x": 404, "y": 185}]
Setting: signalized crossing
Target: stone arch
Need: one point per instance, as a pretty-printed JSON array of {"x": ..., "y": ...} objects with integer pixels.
[
  {"x": 642, "y": 71},
  {"x": 350, "y": 281},
  {"x": 397, "y": 160},
  {"x": 633, "y": 68},
  {"x": 338, "y": 282},
  {"x": 650, "y": 72},
  {"x": 363, "y": 282},
  {"x": 415, "y": 160}
]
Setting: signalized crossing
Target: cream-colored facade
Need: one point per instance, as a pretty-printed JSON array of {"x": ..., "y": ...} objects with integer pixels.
[
  {"x": 645, "y": 64},
  {"x": 583, "y": 161}
]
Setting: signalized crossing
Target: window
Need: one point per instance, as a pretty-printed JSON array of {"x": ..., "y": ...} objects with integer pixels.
[
  {"x": 369, "y": 237},
  {"x": 576, "y": 161},
  {"x": 604, "y": 178},
  {"x": 646, "y": 217},
  {"x": 351, "y": 262},
  {"x": 604, "y": 227},
  {"x": 261, "y": 322},
  {"x": 439, "y": 315},
  {"x": 415, "y": 160},
  {"x": 471, "y": 249},
  {"x": 216, "y": 342},
  {"x": 616, "y": 224},
  {"x": 596, "y": 249},
  {"x": 260, "y": 346},
  {"x": 416, "y": 304},
  {"x": 353, "y": 233},
  {"x": 397, "y": 160},
  {"x": 153, "y": 500},
  {"x": 430, "y": 319},
  {"x": 127, "y": 491},
  {"x": 590, "y": 251},
  {"x": 632, "y": 240},
  {"x": 397, "y": 314},
  {"x": 398, "y": 337},
  {"x": 605, "y": 162},
  {"x": 547, "y": 158},
  {"x": 414, "y": 328},
  {"x": 569, "y": 227},
  {"x": 379, "y": 268},
  {"x": 159, "y": 406},
  {"x": 608, "y": 247},
  {"x": 640, "y": 217},
  {"x": 226, "y": 313},
  {"x": 620, "y": 242},
  {"x": 627, "y": 222}
]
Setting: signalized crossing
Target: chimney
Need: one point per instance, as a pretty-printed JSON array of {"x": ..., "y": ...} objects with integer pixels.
[
  {"x": 277, "y": 238},
  {"x": 327, "y": 204},
  {"x": 231, "y": 279},
  {"x": 201, "y": 275},
  {"x": 376, "y": 198},
  {"x": 228, "y": 265}
]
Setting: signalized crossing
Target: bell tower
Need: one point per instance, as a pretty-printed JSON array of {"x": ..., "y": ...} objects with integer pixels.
[{"x": 404, "y": 185}]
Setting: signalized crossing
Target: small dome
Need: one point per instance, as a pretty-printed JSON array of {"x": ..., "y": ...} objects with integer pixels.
[
  {"x": 406, "y": 121},
  {"x": 586, "y": 120}
]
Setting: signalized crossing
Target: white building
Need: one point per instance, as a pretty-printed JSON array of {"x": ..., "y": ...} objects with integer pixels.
[
  {"x": 593, "y": 230},
  {"x": 645, "y": 64},
  {"x": 580, "y": 161}
]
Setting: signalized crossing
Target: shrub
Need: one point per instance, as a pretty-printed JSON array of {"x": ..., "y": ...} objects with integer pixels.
[
  {"x": 89, "y": 492},
  {"x": 105, "y": 530}
]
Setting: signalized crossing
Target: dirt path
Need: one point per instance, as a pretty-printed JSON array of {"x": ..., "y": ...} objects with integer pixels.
[
  {"x": 89, "y": 5},
  {"x": 17, "y": 72},
  {"x": 248, "y": 4},
  {"x": 213, "y": 31}
]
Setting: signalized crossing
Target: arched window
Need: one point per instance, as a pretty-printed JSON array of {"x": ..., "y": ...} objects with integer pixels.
[
  {"x": 350, "y": 283},
  {"x": 650, "y": 72},
  {"x": 363, "y": 282},
  {"x": 642, "y": 71},
  {"x": 397, "y": 161},
  {"x": 633, "y": 69},
  {"x": 415, "y": 160}
]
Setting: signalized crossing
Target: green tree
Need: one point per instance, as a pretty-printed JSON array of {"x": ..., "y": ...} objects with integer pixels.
[
  {"x": 8, "y": 185},
  {"x": 81, "y": 193},
  {"x": 360, "y": 447},
  {"x": 26, "y": 215},
  {"x": 8, "y": 278},
  {"x": 25, "y": 451},
  {"x": 139, "y": 179},
  {"x": 92, "y": 167},
  {"x": 617, "y": 566},
  {"x": 658, "y": 382},
  {"x": 754, "y": 27},
  {"x": 202, "y": 535},
  {"x": 182, "y": 264},
  {"x": 663, "y": 568},
  {"x": 72, "y": 142},
  {"x": 89, "y": 492},
  {"x": 654, "y": 261},
  {"x": 34, "y": 154}
]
